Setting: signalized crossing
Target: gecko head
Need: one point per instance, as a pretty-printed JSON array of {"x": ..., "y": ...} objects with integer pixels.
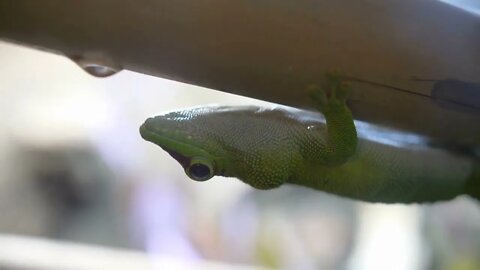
[
  {"x": 188, "y": 139},
  {"x": 224, "y": 141}
]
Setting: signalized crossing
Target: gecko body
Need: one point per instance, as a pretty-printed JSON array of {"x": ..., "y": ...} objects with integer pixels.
[{"x": 268, "y": 147}]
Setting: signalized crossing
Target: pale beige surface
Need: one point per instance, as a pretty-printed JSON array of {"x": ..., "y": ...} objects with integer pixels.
[{"x": 44, "y": 254}]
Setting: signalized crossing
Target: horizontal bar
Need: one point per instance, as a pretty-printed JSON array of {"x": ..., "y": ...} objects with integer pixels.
[{"x": 393, "y": 51}]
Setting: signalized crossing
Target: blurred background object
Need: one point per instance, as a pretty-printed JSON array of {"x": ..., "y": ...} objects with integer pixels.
[{"x": 470, "y": 5}]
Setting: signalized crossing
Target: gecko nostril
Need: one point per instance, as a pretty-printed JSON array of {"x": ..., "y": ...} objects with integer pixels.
[{"x": 149, "y": 123}]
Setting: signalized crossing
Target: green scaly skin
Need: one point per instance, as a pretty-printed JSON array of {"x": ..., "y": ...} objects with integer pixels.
[{"x": 266, "y": 148}]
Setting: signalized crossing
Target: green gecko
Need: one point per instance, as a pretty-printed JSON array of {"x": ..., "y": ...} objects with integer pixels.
[{"x": 266, "y": 148}]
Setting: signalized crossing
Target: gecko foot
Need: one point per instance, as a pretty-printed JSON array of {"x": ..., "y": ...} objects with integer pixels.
[{"x": 332, "y": 95}]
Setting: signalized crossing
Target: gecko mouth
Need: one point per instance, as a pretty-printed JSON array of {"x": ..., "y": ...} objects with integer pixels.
[
  {"x": 183, "y": 160},
  {"x": 169, "y": 145},
  {"x": 196, "y": 167},
  {"x": 151, "y": 136}
]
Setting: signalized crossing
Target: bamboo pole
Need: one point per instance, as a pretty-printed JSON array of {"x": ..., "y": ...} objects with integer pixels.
[{"x": 272, "y": 50}]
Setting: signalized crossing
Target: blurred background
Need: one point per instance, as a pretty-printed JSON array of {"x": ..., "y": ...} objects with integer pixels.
[
  {"x": 80, "y": 189},
  {"x": 471, "y": 5}
]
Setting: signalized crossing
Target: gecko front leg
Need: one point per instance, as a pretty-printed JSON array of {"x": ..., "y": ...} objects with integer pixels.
[{"x": 341, "y": 138}]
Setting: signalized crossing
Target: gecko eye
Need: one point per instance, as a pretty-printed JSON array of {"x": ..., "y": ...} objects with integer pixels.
[{"x": 200, "y": 169}]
